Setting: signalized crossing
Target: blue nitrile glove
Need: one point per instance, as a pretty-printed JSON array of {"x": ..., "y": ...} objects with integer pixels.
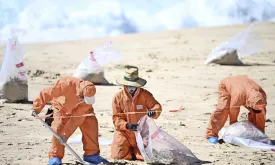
[
  {"x": 55, "y": 161},
  {"x": 96, "y": 159},
  {"x": 213, "y": 140}
]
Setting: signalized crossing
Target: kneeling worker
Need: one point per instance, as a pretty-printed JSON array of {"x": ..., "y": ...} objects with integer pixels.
[{"x": 129, "y": 105}]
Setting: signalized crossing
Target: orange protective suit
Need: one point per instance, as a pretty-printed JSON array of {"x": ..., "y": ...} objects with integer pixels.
[
  {"x": 66, "y": 97},
  {"x": 124, "y": 142},
  {"x": 235, "y": 92}
]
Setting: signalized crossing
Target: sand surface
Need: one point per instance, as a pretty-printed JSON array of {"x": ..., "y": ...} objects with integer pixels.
[{"x": 173, "y": 64}]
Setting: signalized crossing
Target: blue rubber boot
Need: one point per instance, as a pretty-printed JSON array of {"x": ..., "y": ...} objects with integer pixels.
[
  {"x": 55, "y": 161},
  {"x": 96, "y": 159}
]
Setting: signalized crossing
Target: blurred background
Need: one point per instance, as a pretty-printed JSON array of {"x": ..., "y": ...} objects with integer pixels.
[{"x": 51, "y": 20}]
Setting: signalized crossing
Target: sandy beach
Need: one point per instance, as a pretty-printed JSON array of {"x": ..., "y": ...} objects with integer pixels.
[{"x": 173, "y": 64}]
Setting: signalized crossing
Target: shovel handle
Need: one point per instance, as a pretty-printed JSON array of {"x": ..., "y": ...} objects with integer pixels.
[{"x": 62, "y": 141}]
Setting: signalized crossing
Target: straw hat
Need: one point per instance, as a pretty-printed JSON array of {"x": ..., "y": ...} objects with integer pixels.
[{"x": 131, "y": 77}]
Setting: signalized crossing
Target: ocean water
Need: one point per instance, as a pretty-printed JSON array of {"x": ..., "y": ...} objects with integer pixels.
[{"x": 52, "y": 20}]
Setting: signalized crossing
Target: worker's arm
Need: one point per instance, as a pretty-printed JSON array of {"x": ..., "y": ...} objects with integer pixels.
[
  {"x": 153, "y": 104},
  {"x": 47, "y": 94},
  {"x": 119, "y": 118},
  {"x": 219, "y": 115}
]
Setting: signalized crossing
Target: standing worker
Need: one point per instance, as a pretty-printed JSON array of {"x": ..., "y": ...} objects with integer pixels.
[
  {"x": 235, "y": 92},
  {"x": 132, "y": 98},
  {"x": 71, "y": 97}
]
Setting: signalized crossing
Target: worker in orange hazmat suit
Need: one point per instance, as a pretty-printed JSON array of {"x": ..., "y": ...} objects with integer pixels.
[
  {"x": 235, "y": 92},
  {"x": 128, "y": 107},
  {"x": 71, "y": 97}
]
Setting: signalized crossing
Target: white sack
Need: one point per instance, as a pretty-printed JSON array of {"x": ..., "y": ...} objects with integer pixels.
[
  {"x": 13, "y": 75},
  {"x": 246, "y": 134},
  {"x": 245, "y": 43}
]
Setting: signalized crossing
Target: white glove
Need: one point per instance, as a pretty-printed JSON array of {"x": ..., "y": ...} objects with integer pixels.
[{"x": 33, "y": 113}]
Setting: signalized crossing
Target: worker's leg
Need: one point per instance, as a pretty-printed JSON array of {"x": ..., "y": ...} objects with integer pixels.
[
  {"x": 64, "y": 127},
  {"x": 89, "y": 129},
  {"x": 137, "y": 154},
  {"x": 57, "y": 149},
  {"x": 121, "y": 148},
  {"x": 233, "y": 115},
  {"x": 257, "y": 119}
]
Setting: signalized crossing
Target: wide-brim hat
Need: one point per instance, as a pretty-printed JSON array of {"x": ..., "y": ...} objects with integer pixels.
[{"x": 131, "y": 77}]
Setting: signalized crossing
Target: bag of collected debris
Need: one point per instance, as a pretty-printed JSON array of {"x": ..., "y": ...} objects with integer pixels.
[
  {"x": 246, "y": 134},
  {"x": 92, "y": 72},
  {"x": 158, "y": 147},
  {"x": 227, "y": 57},
  {"x": 13, "y": 75},
  {"x": 91, "y": 68},
  {"x": 230, "y": 52}
]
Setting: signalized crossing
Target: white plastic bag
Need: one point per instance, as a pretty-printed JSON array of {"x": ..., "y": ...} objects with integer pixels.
[
  {"x": 106, "y": 54},
  {"x": 78, "y": 140},
  {"x": 157, "y": 146},
  {"x": 244, "y": 43},
  {"x": 13, "y": 75},
  {"x": 91, "y": 68},
  {"x": 246, "y": 134}
]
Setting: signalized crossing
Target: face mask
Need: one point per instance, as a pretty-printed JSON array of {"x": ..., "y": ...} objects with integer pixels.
[
  {"x": 131, "y": 89},
  {"x": 89, "y": 100}
]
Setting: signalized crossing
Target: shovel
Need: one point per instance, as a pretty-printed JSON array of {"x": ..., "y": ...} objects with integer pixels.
[{"x": 63, "y": 142}]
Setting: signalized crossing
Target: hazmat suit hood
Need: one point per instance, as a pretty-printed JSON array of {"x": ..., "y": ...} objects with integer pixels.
[
  {"x": 82, "y": 91},
  {"x": 256, "y": 100}
]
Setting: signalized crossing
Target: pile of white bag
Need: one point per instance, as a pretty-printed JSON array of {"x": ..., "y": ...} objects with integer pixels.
[
  {"x": 246, "y": 134},
  {"x": 13, "y": 75},
  {"x": 230, "y": 52},
  {"x": 91, "y": 68}
]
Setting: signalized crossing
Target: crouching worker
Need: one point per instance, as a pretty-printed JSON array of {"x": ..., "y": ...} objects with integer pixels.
[
  {"x": 235, "y": 92},
  {"x": 129, "y": 105},
  {"x": 71, "y": 97}
]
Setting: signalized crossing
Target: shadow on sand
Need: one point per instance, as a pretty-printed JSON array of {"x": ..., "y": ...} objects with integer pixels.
[
  {"x": 247, "y": 64},
  {"x": 134, "y": 162}
]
